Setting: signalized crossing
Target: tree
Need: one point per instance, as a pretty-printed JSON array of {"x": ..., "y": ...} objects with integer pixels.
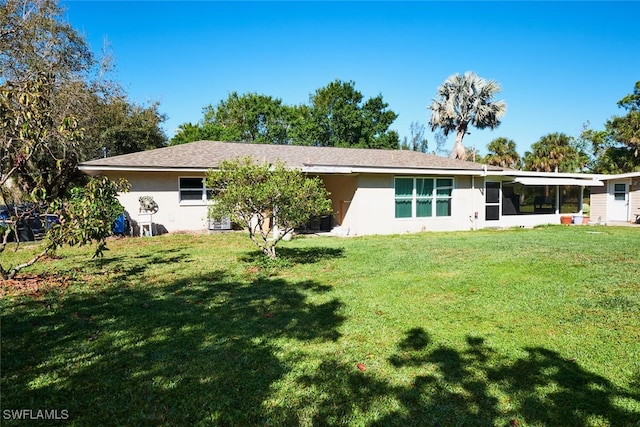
[
  {"x": 616, "y": 149},
  {"x": 335, "y": 117},
  {"x": 189, "y": 132},
  {"x": 417, "y": 141},
  {"x": 607, "y": 155},
  {"x": 47, "y": 97},
  {"x": 36, "y": 39},
  {"x": 555, "y": 152},
  {"x": 441, "y": 142},
  {"x": 465, "y": 100},
  {"x": 626, "y": 129},
  {"x": 253, "y": 117},
  {"x": 340, "y": 119},
  {"x": 29, "y": 130},
  {"x": 87, "y": 216},
  {"x": 122, "y": 127},
  {"x": 249, "y": 118},
  {"x": 261, "y": 197},
  {"x": 502, "y": 152},
  {"x": 41, "y": 59},
  {"x": 473, "y": 154}
]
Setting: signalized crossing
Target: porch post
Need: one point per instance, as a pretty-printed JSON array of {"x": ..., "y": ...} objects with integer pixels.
[{"x": 580, "y": 200}]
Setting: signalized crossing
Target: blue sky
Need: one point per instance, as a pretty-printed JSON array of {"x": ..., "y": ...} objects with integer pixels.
[{"x": 560, "y": 64}]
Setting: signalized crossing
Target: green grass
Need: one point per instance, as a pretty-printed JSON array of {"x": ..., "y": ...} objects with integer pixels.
[{"x": 452, "y": 329}]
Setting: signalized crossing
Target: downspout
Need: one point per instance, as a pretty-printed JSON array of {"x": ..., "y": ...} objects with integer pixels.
[
  {"x": 473, "y": 205},
  {"x": 473, "y": 209}
]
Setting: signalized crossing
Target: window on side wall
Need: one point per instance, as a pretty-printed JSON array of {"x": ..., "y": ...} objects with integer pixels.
[
  {"x": 423, "y": 197},
  {"x": 192, "y": 191}
]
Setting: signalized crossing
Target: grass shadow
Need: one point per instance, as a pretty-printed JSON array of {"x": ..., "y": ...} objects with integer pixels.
[
  {"x": 288, "y": 256},
  {"x": 202, "y": 351},
  {"x": 465, "y": 387},
  {"x": 310, "y": 255},
  {"x": 544, "y": 388}
]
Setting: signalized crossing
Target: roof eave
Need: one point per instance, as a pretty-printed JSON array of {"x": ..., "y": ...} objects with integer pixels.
[{"x": 99, "y": 168}]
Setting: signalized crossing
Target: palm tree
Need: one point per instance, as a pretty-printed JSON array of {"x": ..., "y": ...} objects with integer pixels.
[
  {"x": 555, "y": 152},
  {"x": 464, "y": 100},
  {"x": 502, "y": 152}
]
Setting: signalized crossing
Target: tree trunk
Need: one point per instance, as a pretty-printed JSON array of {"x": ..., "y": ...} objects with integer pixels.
[{"x": 458, "y": 151}]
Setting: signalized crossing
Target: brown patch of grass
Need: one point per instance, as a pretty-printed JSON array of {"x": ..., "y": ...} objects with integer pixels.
[{"x": 32, "y": 285}]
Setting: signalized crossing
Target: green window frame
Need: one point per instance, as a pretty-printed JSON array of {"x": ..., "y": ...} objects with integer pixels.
[
  {"x": 444, "y": 192},
  {"x": 419, "y": 197},
  {"x": 404, "y": 197}
]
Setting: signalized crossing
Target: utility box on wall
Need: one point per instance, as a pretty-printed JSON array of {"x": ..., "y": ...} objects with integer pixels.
[{"x": 219, "y": 224}]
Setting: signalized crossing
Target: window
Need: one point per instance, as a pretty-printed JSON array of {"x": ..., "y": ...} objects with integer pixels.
[
  {"x": 620, "y": 192},
  {"x": 423, "y": 197},
  {"x": 192, "y": 191}
]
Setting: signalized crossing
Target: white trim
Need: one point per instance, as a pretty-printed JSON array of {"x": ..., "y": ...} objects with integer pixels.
[
  {"x": 193, "y": 202},
  {"x": 558, "y": 181},
  {"x": 326, "y": 169},
  {"x": 619, "y": 176},
  {"x": 448, "y": 173},
  {"x": 98, "y": 169},
  {"x": 516, "y": 173}
]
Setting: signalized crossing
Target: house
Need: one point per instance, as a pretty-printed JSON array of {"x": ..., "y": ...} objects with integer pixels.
[
  {"x": 618, "y": 200},
  {"x": 373, "y": 191}
]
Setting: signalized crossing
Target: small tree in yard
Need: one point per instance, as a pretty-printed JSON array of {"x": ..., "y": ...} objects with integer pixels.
[
  {"x": 261, "y": 197},
  {"x": 86, "y": 216}
]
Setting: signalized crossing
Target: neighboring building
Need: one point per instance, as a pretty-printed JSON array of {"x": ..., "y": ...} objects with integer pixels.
[
  {"x": 618, "y": 200},
  {"x": 373, "y": 191}
]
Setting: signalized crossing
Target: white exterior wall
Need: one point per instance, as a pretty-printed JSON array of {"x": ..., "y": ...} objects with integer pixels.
[
  {"x": 362, "y": 204},
  {"x": 619, "y": 210},
  {"x": 604, "y": 207},
  {"x": 634, "y": 198},
  {"x": 372, "y": 209},
  {"x": 163, "y": 187}
]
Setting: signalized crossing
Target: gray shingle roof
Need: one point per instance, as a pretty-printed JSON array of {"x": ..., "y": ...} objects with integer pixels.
[{"x": 208, "y": 154}]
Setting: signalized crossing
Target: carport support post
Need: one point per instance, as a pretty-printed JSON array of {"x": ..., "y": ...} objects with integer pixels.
[{"x": 580, "y": 200}]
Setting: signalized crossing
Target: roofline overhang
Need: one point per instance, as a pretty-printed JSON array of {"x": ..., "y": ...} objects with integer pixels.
[
  {"x": 541, "y": 181},
  {"x": 627, "y": 175},
  {"x": 533, "y": 178},
  {"x": 517, "y": 173},
  {"x": 395, "y": 170},
  {"x": 314, "y": 169},
  {"x": 97, "y": 169},
  {"x": 347, "y": 170}
]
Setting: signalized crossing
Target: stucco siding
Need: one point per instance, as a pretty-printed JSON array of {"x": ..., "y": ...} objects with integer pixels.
[
  {"x": 372, "y": 209},
  {"x": 362, "y": 204},
  {"x": 342, "y": 189},
  {"x": 163, "y": 186}
]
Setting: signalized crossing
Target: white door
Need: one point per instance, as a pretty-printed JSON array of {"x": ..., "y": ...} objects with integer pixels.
[{"x": 619, "y": 201}]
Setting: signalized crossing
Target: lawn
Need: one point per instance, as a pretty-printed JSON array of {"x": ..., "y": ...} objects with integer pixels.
[{"x": 479, "y": 328}]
